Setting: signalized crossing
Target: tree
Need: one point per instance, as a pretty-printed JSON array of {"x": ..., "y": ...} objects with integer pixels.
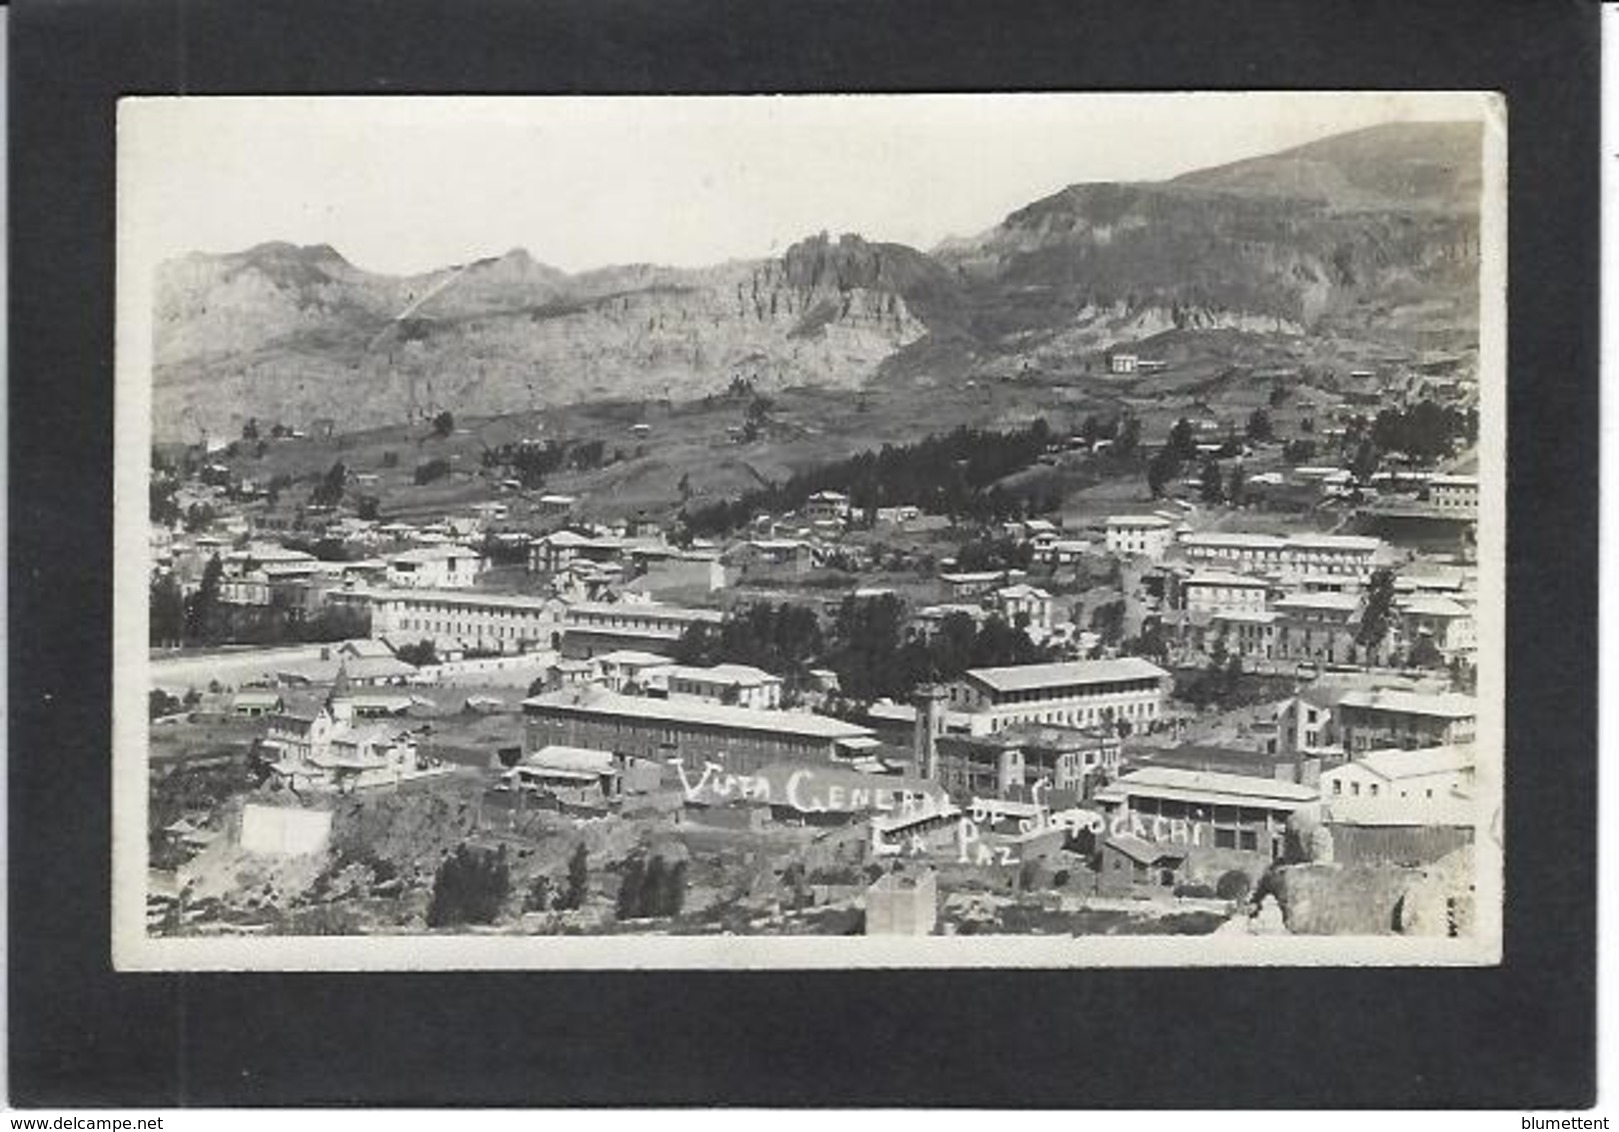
[
  {"x": 1129, "y": 437},
  {"x": 1160, "y": 470},
  {"x": 329, "y": 492},
  {"x": 1182, "y": 443},
  {"x": 367, "y": 508},
  {"x": 1426, "y": 654},
  {"x": 1377, "y": 615},
  {"x": 1364, "y": 465},
  {"x": 250, "y": 430},
  {"x": 629, "y": 889},
  {"x": 444, "y": 423},
  {"x": 1212, "y": 488},
  {"x": 1259, "y": 427},
  {"x": 168, "y": 613},
  {"x": 1237, "y": 486},
  {"x": 202, "y": 609},
  {"x": 578, "y": 880}
]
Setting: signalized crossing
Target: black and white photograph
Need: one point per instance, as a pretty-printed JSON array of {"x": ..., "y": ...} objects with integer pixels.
[{"x": 987, "y": 530}]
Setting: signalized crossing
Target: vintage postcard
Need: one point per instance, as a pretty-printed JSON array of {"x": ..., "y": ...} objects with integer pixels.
[{"x": 810, "y": 531}]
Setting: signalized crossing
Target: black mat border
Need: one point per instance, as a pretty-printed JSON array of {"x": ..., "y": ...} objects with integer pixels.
[{"x": 1520, "y": 1036}]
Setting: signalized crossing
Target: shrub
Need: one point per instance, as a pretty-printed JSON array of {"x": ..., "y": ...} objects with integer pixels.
[
  {"x": 430, "y": 471},
  {"x": 1233, "y": 885},
  {"x": 1196, "y": 891}
]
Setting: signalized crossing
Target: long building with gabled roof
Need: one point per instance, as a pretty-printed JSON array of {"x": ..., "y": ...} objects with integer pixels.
[{"x": 1079, "y": 693}]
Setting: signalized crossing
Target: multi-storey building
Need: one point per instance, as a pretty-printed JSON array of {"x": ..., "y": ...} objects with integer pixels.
[
  {"x": 1220, "y": 591},
  {"x": 1390, "y": 718},
  {"x": 1457, "y": 495},
  {"x": 739, "y": 684},
  {"x": 592, "y": 628},
  {"x": 1149, "y": 535},
  {"x": 483, "y": 622},
  {"x": 1286, "y": 558},
  {"x": 741, "y": 740},
  {"x": 1079, "y": 693},
  {"x": 445, "y": 566}
]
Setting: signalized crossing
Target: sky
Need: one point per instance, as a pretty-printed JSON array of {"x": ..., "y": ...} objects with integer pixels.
[{"x": 410, "y": 184}]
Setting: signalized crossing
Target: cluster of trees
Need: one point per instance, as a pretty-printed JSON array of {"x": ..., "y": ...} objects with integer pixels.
[
  {"x": 874, "y": 656},
  {"x": 866, "y": 644},
  {"x": 202, "y": 618},
  {"x": 1217, "y": 682},
  {"x": 954, "y": 474},
  {"x": 651, "y": 887},
  {"x": 444, "y": 424},
  {"x": 530, "y": 464},
  {"x": 994, "y": 552},
  {"x": 329, "y": 491},
  {"x": 1426, "y": 431},
  {"x": 470, "y": 887},
  {"x": 1124, "y": 432},
  {"x": 784, "y": 639},
  {"x": 540, "y": 896},
  {"x": 1166, "y": 464},
  {"x": 421, "y": 653}
]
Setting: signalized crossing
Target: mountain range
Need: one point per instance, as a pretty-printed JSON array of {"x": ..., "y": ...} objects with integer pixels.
[{"x": 1370, "y": 236}]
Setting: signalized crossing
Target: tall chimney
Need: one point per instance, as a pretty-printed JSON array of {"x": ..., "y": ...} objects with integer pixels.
[{"x": 929, "y": 701}]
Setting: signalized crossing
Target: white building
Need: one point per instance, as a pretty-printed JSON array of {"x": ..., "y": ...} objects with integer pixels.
[
  {"x": 1454, "y": 494},
  {"x": 1448, "y": 624},
  {"x": 1075, "y": 694},
  {"x": 332, "y": 750},
  {"x": 1428, "y": 786},
  {"x": 1220, "y": 591},
  {"x": 592, "y": 628},
  {"x": 484, "y": 622},
  {"x": 446, "y": 566},
  {"x": 1139, "y": 534},
  {"x": 739, "y": 685},
  {"x": 827, "y": 506},
  {"x": 1025, "y": 605},
  {"x": 1288, "y": 558},
  {"x": 627, "y": 670}
]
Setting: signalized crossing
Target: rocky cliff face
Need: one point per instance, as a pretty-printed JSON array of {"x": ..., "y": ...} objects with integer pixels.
[{"x": 1372, "y": 234}]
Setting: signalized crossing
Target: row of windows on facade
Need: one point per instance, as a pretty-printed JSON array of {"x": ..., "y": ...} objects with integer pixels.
[
  {"x": 1371, "y": 790},
  {"x": 1078, "y": 716},
  {"x": 674, "y": 736},
  {"x": 1065, "y": 692}
]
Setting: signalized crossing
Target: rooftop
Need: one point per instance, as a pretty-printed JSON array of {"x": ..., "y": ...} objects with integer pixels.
[
  {"x": 1449, "y": 705},
  {"x": 1395, "y": 763},
  {"x": 1020, "y": 677},
  {"x": 700, "y": 712},
  {"x": 633, "y": 658},
  {"x": 1143, "y": 521},
  {"x": 1205, "y": 786},
  {"x": 1424, "y": 605},
  {"x": 442, "y": 553},
  {"x": 1347, "y": 603},
  {"x": 576, "y": 759},
  {"x": 724, "y": 674}
]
